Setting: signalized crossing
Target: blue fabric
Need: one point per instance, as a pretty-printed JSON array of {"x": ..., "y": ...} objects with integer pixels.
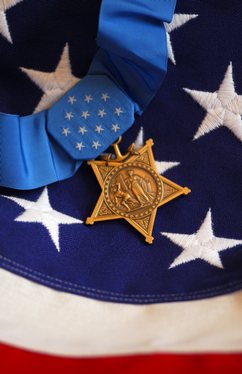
[
  {"x": 133, "y": 44},
  {"x": 30, "y": 158},
  {"x": 110, "y": 260}
]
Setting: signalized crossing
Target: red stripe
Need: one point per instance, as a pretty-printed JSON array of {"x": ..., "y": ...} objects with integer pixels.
[{"x": 13, "y": 360}]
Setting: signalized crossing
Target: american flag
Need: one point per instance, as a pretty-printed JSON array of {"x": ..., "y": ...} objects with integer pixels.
[{"x": 74, "y": 290}]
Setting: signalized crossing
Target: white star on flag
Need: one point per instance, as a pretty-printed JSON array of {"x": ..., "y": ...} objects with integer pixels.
[
  {"x": 85, "y": 114},
  {"x": 71, "y": 99},
  {"x": 4, "y": 28},
  {"x": 82, "y": 130},
  {"x": 203, "y": 245},
  {"x": 224, "y": 107},
  {"x": 161, "y": 166},
  {"x": 178, "y": 20},
  {"x": 88, "y": 98},
  {"x": 54, "y": 85},
  {"x": 41, "y": 211},
  {"x": 101, "y": 113}
]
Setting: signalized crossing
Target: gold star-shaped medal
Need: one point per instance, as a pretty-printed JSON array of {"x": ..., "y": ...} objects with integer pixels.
[{"x": 132, "y": 189}]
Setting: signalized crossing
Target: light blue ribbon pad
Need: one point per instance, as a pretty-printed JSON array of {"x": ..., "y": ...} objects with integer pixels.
[{"x": 90, "y": 118}]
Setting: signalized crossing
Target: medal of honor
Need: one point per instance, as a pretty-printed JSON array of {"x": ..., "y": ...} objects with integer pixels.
[{"x": 132, "y": 189}]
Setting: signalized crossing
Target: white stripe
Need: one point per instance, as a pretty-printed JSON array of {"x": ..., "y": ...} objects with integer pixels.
[{"x": 38, "y": 318}]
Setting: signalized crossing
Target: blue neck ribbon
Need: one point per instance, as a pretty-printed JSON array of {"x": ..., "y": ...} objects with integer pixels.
[{"x": 124, "y": 76}]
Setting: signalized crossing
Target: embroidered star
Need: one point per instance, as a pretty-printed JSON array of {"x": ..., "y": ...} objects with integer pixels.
[
  {"x": 203, "y": 245},
  {"x": 105, "y": 96},
  {"x": 161, "y": 166},
  {"x": 224, "y": 107},
  {"x": 54, "y": 85},
  {"x": 85, "y": 114},
  {"x": 101, "y": 113},
  {"x": 82, "y": 130},
  {"x": 96, "y": 144},
  {"x": 66, "y": 131},
  {"x": 115, "y": 127},
  {"x": 178, "y": 20},
  {"x": 88, "y": 98},
  {"x": 79, "y": 146},
  {"x": 99, "y": 129},
  {"x": 4, "y": 28},
  {"x": 69, "y": 116},
  {"x": 118, "y": 111},
  {"x": 71, "y": 99},
  {"x": 41, "y": 211}
]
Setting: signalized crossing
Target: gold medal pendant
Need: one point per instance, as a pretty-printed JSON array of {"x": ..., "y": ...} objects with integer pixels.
[{"x": 132, "y": 189}]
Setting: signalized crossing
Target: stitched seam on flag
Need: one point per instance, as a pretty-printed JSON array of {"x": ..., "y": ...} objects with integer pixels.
[
  {"x": 92, "y": 291},
  {"x": 125, "y": 299}
]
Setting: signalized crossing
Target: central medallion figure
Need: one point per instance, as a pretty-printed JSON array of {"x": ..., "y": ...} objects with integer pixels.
[{"x": 133, "y": 190}]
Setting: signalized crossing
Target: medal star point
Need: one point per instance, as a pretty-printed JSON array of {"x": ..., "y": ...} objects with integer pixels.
[{"x": 132, "y": 189}]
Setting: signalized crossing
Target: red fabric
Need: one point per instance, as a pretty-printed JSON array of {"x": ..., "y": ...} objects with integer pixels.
[{"x": 13, "y": 360}]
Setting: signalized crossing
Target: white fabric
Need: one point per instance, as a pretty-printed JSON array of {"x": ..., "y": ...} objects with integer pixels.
[{"x": 41, "y": 319}]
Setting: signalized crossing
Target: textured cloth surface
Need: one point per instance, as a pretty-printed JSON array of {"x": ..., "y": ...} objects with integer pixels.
[
  {"x": 56, "y": 270},
  {"x": 195, "y": 122},
  {"x": 41, "y": 319}
]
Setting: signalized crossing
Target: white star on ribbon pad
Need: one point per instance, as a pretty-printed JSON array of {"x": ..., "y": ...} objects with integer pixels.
[
  {"x": 102, "y": 113},
  {"x": 71, "y": 99},
  {"x": 85, "y": 114},
  {"x": 80, "y": 145},
  {"x": 96, "y": 144},
  {"x": 82, "y": 130},
  {"x": 91, "y": 117},
  {"x": 88, "y": 98},
  {"x": 99, "y": 129},
  {"x": 69, "y": 116},
  {"x": 66, "y": 131},
  {"x": 115, "y": 127},
  {"x": 105, "y": 96},
  {"x": 118, "y": 111}
]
